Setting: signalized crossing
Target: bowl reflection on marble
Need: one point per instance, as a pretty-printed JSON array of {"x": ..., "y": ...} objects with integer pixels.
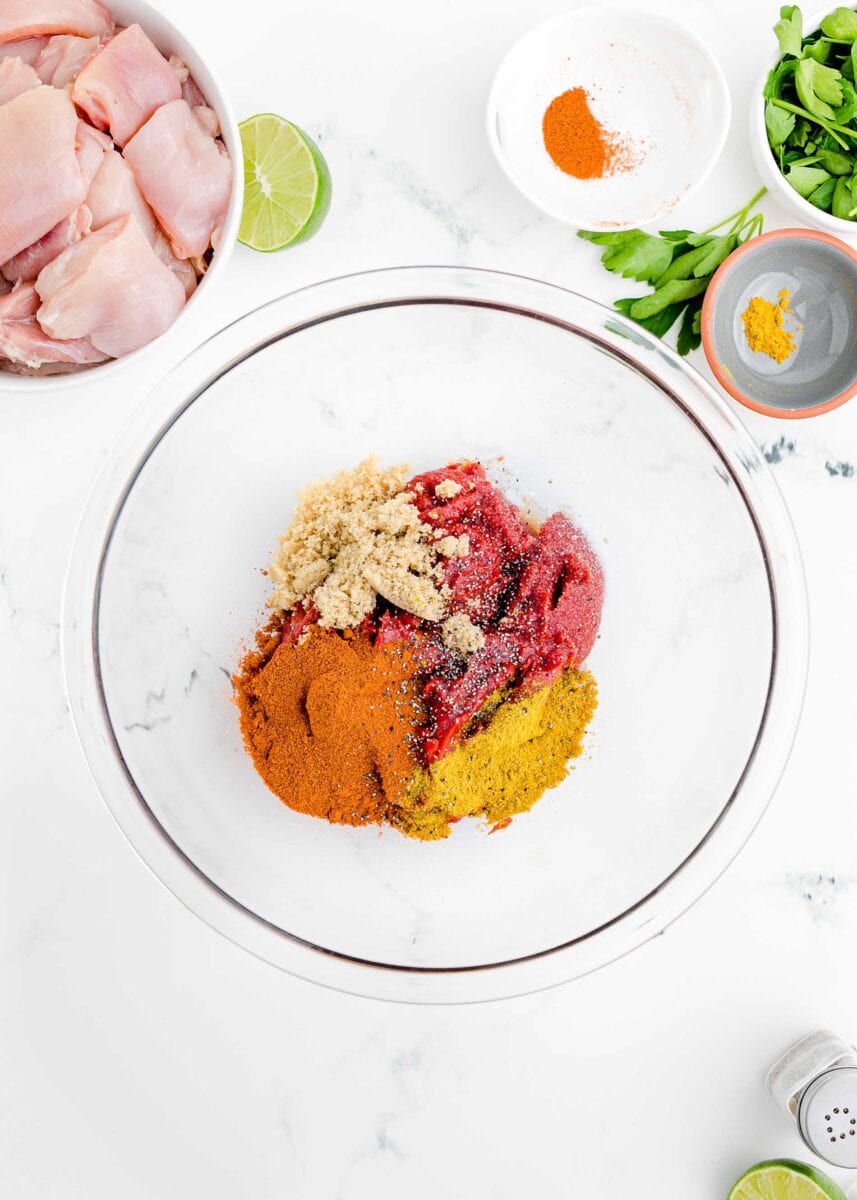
[{"x": 700, "y": 662}]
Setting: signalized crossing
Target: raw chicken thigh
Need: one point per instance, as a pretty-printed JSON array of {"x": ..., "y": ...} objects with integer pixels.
[
  {"x": 35, "y": 258},
  {"x": 40, "y": 181},
  {"x": 34, "y": 18},
  {"x": 64, "y": 57},
  {"x": 122, "y": 86},
  {"x": 27, "y": 50},
  {"x": 171, "y": 148},
  {"x": 110, "y": 288},
  {"x": 25, "y": 344},
  {"x": 16, "y": 77},
  {"x": 100, "y": 247},
  {"x": 91, "y": 146},
  {"x": 114, "y": 191},
  {"x": 190, "y": 91}
]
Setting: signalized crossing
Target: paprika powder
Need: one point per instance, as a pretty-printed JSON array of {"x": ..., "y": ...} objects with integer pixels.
[{"x": 578, "y": 143}]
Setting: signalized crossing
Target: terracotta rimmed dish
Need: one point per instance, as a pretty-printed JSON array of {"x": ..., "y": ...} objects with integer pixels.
[{"x": 820, "y": 273}]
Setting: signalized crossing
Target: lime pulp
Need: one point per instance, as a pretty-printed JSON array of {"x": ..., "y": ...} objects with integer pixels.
[
  {"x": 287, "y": 184},
  {"x": 785, "y": 1179}
]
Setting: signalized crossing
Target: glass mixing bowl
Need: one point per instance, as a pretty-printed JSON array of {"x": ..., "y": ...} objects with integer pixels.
[{"x": 700, "y": 662}]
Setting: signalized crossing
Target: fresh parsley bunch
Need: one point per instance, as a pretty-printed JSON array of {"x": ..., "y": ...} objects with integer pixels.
[
  {"x": 679, "y": 264},
  {"x": 810, "y": 109}
]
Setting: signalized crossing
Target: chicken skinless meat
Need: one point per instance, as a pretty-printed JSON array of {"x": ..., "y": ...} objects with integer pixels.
[
  {"x": 64, "y": 57},
  {"x": 171, "y": 148},
  {"x": 190, "y": 90},
  {"x": 27, "y": 50},
  {"x": 40, "y": 180},
  {"x": 37, "y": 18},
  {"x": 16, "y": 77},
  {"x": 25, "y": 345},
  {"x": 91, "y": 146},
  {"x": 99, "y": 248},
  {"x": 184, "y": 270},
  {"x": 41, "y": 18},
  {"x": 114, "y": 192},
  {"x": 111, "y": 288},
  {"x": 125, "y": 84},
  {"x": 30, "y": 262}
]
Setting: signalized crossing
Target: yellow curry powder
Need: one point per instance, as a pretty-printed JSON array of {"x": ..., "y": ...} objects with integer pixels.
[
  {"x": 764, "y": 328},
  {"x": 505, "y": 767}
]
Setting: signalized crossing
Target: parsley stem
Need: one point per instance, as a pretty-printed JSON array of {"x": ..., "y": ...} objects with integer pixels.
[
  {"x": 833, "y": 130},
  {"x": 737, "y": 217}
]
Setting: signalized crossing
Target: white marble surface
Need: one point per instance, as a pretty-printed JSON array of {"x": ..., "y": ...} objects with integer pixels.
[{"x": 141, "y": 1055}]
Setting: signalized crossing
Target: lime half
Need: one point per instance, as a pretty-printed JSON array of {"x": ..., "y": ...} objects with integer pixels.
[
  {"x": 785, "y": 1179},
  {"x": 286, "y": 184}
]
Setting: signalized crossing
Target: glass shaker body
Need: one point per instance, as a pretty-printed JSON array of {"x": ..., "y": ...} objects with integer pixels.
[{"x": 815, "y": 1083}]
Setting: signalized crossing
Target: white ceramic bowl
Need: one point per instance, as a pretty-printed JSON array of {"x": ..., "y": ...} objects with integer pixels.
[
  {"x": 170, "y": 40},
  {"x": 650, "y": 80},
  {"x": 782, "y": 192}
]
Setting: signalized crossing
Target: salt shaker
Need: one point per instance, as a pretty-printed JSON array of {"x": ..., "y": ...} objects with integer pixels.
[{"x": 815, "y": 1083}]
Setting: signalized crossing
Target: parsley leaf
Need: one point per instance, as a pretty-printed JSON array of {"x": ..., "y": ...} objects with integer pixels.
[
  {"x": 822, "y": 197},
  {"x": 805, "y": 180},
  {"x": 659, "y": 324},
  {"x": 632, "y": 253},
  {"x": 843, "y": 204},
  {"x": 789, "y": 30},
  {"x": 663, "y": 297},
  {"x": 718, "y": 249},
  {"x": 819, "y": 88},
  {"x": 680, "y": 264},
  {"x": 689, "y": 336},
  {"x": 841, "y": 25},
  {"x": 835, "y": 162},
  {"x": 779, "y": 124}
]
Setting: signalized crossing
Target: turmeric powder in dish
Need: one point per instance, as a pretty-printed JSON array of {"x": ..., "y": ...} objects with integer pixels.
[
  {"x": 764, "y": 327},
  {"x": 508, "y": 764}
]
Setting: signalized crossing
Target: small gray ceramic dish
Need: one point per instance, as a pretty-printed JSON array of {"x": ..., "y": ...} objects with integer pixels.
[{"x": 820, "y": 274}]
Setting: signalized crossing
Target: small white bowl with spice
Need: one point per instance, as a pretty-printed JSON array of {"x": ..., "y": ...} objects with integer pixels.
[{"x": 608, "y": 118}]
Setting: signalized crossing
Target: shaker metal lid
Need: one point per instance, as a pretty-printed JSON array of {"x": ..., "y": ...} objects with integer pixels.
[{"x": 827, "y": 1116}]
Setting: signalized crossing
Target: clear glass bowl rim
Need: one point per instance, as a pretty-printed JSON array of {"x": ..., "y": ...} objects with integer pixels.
[{"x": 334, "y": 299}]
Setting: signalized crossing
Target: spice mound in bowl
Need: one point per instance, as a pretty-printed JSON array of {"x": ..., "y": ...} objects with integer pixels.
[
  {"x": 779, "y": 323},
  {"x": 607, "y": 118},
  {"x": 423, "y": 661},
  {"x": 115, "y": 186}
]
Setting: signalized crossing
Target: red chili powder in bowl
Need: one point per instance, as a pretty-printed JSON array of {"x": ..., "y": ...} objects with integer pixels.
[{"x": 578, "y": 143}]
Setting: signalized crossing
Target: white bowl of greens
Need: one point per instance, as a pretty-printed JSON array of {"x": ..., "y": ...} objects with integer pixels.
[{"x": 803, "y": 131}]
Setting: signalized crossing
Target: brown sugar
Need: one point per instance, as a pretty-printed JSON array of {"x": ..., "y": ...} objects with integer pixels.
[{"x": 354, "y": 537}]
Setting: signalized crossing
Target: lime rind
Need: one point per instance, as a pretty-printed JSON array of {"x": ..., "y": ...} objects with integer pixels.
[
  {"x": 785, "y": 1179},
  {"x": 287, "y": 184}
]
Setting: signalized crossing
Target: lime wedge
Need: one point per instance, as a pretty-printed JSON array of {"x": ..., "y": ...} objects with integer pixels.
[
  {"x": 785, "y": 1179},
  {"x": 286, "y": 184}
]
